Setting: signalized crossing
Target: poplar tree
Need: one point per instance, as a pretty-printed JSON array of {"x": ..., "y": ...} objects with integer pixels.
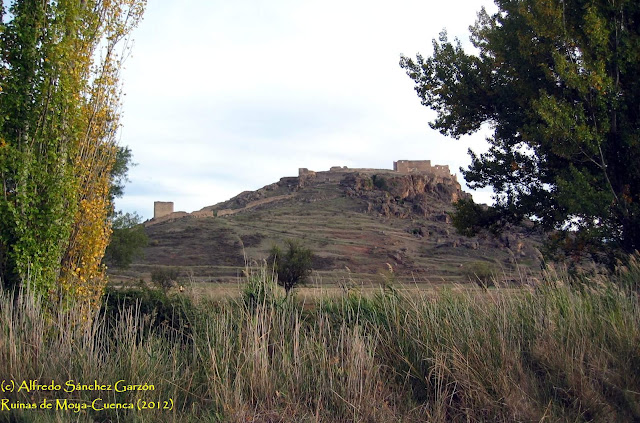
[
  {"x": 59, "y": 114},
  {"x": 557, "y": 82}
]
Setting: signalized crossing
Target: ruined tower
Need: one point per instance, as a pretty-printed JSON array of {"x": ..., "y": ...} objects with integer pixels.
[{"x": 162, "y": 208}]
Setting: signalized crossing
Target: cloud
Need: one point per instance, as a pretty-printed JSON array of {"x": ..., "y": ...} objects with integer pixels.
[{"x": 224, "y": 96}]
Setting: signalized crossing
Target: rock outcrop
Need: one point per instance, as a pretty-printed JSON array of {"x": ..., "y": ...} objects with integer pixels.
[{"x": 405, "y": 195}]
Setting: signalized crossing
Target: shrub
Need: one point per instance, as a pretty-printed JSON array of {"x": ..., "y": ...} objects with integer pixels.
[
  {"x": 154, "y": 307},
  {"x": 380, "y": 182},
  {"x": 481, "y": 272},
  {"x": 165, "y": 277},
  {"x": 292, "y": 266}
]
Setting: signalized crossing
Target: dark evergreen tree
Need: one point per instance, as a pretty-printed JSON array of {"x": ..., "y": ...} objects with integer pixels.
[{"x": 557, "y": 81}]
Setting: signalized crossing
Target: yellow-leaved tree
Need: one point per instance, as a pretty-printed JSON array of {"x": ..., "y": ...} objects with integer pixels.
[{"x": 60, "y": 105}]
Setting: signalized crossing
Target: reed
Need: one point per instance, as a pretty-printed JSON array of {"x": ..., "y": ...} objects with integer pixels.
[{"x": 556, "y": 351}]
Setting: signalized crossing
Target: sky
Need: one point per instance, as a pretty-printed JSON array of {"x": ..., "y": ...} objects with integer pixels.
[{"x": 228, "y": 96}]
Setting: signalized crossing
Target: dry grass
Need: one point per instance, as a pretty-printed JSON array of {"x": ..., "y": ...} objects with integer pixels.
[{"x": 553, "y": 352}]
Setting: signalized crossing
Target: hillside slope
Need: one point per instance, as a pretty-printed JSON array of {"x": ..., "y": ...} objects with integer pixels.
[{"x": 356, "y": 220}]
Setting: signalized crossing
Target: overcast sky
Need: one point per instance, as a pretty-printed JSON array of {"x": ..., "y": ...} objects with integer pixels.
[{"x": 226, "y": 96}]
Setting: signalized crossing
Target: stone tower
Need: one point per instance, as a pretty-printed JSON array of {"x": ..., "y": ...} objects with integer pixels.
[{"x": 162, "y": 208}]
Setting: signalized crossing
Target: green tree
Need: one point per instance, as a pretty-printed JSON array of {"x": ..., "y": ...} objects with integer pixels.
[
  {"x": 128, "y": 237},
  {"x": 470, "y": 218},
  {"x": 292, "y": 266},
  {"x": 59, "y": 103},
  {"x": 127, "y": 240},
  {"x": 557, "y": 81}
]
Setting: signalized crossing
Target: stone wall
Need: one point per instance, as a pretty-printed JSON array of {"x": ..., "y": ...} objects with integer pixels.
[
  {"x": 400, "y": 166},
  {"x": 412, "y": 166},
  {"x": 202, "y": 213},
  {"x": 303, "y": 171},
  {"x": 441, "y": 170},
  {"x": 421, "y": 166},
  {"x": 166, "y": 218},
  {"x": 226, "y": 212},
  {"x": 162, "y": 208}
]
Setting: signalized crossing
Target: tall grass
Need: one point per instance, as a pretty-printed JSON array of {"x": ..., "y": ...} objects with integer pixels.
[{"x": 553, "y": 352}]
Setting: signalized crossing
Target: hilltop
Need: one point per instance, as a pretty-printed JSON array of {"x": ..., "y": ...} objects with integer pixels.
[{"x": 359, "y": 221}]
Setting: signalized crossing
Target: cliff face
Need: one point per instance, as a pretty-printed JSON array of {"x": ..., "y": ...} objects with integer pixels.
[{"x": 405, "y": 195}]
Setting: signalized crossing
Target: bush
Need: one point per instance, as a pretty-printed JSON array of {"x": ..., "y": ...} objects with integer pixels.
[
  {"x": 481, "y": 272},
  {"x": 153, "y": 306},
  {"x": 293, "y": 266},
  {"x": 380, "y": 182},
  {"x": 165, "y": 277}
]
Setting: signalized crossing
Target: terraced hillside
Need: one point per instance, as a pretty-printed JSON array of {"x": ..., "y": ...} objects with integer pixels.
[{"x": 357, "y": 221}]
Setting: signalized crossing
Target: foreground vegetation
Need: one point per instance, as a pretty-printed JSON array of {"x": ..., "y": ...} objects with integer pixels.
[{"x": 556, "y": 352}]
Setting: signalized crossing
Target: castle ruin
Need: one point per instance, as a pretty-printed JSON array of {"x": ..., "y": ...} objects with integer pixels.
[
  {"x": 400, "y": 166},
  {"x": 163, "y": 212},
  {"x": 162, "y": 208},
  {"x": 421, "y": 166}
]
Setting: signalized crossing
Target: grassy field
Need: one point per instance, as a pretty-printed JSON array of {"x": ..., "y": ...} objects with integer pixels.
[{"x": 562, "y": 350}]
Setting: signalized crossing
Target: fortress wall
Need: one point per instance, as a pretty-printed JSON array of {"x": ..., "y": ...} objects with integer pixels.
[
  {"x": 162, "y": 208},
  {"x": 323, "y": 177},
  {"x": 202, "y": 213},
  {"x": 371, "y": 170},
  {"x": 289, "y": 181},
  {"x": 400, "y": 166},
  {"x": 225, "y": 212},
  {"x": 166, "y": 217},
  {"x": 411, "y": 166},
  {"x": 441, "y": 170},
  {"x": 303, "y": 171}
]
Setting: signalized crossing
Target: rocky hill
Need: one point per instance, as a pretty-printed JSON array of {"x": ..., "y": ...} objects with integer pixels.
[{"x": 359, "y": 221}]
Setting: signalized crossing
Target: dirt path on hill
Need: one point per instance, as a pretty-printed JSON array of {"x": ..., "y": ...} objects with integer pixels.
[{"x": 252, "y": 204}]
